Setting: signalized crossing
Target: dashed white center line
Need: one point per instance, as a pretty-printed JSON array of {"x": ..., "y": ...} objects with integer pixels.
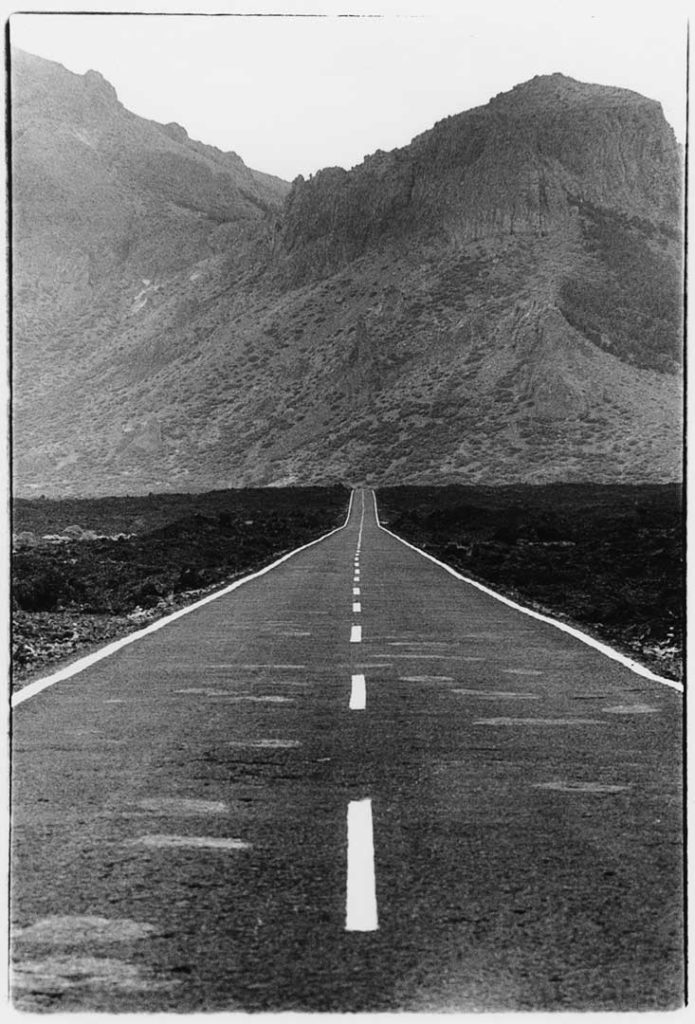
[
  {"x": 356, "y": 606},
  {"x": 356, "y": 635},
  {"x": 361, "y": 911},
  {"x": 358, "y": 694},
  {"x": 356, "y": 591},
  {"x": 359, "y": 535}
]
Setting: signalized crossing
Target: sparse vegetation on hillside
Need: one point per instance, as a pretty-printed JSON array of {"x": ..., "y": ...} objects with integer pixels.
[
  {"x": 176, "y": 330},
  {"x": 632, "y": 304},
  {"x": 610, "y": 559}
]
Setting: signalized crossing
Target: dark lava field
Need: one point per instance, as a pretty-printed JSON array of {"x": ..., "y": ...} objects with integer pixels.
[
  {"x": 87, "y": 570},
  {"x": 609, "y": 558}
]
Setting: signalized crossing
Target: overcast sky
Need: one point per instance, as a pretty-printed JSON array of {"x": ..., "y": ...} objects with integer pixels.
[{"x": 292, "y": 95}]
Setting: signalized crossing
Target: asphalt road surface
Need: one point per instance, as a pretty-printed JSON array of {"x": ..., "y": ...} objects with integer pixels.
[{"x": 354, "y": 784}]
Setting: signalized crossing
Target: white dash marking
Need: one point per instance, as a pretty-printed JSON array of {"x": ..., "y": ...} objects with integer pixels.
[
  {"x": 360, "y": 912},
  {"x": 356, "y": 606},
  {"x": 356, "y": 591},
  {"x": 358, "y": 696},
  {"x": 356, "y": 635}
]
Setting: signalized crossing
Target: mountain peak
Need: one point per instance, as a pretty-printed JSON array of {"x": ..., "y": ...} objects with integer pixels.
[
  {"x": 557, "y": 90},
  {"x": 176, "y": 131},
  {"x": 516, "y": 166},
  {"x": 96, "y": 83}
]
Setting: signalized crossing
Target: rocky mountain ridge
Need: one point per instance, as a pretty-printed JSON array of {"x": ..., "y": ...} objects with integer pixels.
[
  {"x": 99, "y": 191},
  {"x": 520, "y": 164},
  {"x": 500, "y": 300}
]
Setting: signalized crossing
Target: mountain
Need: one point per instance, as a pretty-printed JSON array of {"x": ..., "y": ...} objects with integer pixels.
[
  {"x": 499, "y": 301},
  {"x": 108, "y": 211}
]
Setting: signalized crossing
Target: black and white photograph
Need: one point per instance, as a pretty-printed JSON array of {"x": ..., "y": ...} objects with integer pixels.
[{"x": 346, "y": 417}]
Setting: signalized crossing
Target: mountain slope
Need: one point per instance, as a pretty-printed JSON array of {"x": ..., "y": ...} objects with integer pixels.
[
  {"x": 108, "y": 208},
  {"x": 498, "y": 301},
  {"x": 111, "y": 191}
]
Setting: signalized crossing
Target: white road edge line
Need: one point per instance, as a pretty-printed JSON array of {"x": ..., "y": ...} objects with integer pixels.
[
  {"x": 358, "y": 693},
  {"x": 609, "y": 652},
  {"x": 356, "y": 635},
  {"x": 104, "y": 652},
  {"x": 360, "y": 901}
]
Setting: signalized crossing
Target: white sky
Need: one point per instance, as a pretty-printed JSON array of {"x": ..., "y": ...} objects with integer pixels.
[{"x": 292, "y": 95}]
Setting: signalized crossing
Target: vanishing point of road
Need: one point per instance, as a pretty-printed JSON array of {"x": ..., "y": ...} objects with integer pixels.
[{"x": 355, "y": 783}]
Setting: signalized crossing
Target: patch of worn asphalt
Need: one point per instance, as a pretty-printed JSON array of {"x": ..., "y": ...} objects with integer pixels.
[{"x": 176, "y": 848}]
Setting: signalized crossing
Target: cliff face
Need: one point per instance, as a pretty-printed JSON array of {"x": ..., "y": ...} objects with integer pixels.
[
  {"x": 518, "y": 165},
  {"x": 593, "y": 170},
  {"x": 499, "y": 301}
]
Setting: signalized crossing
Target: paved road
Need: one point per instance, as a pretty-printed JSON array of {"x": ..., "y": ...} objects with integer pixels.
[{"x": 180, "y": 829}]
